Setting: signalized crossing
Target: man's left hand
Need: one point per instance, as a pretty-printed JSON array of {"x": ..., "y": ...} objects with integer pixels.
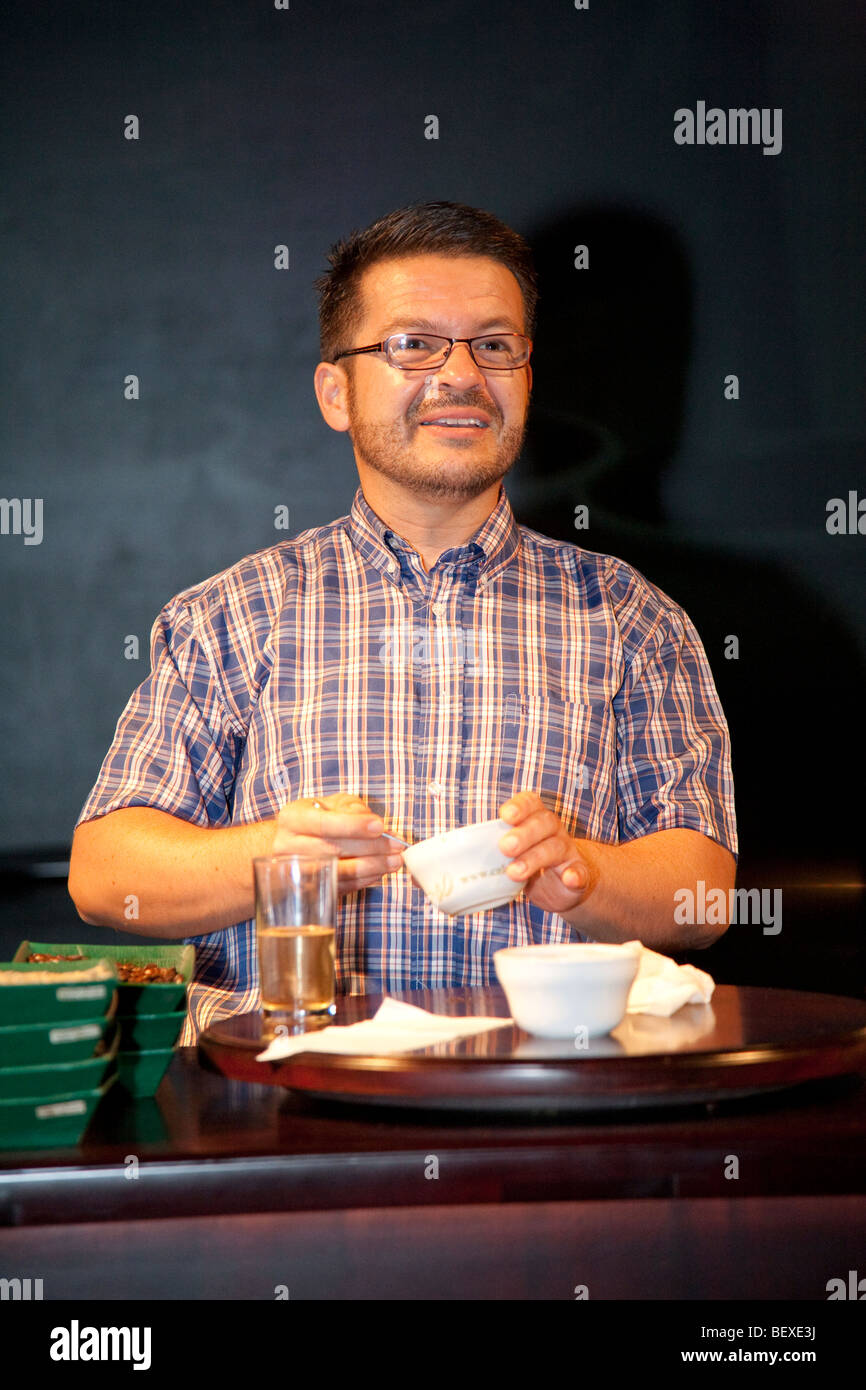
[{"x": 546, "y": 859}]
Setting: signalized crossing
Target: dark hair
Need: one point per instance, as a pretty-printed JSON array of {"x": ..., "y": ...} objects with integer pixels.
[{"x": 445, "y": 229}]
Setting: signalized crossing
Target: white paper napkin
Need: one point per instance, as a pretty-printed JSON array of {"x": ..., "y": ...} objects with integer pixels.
[
  {"x": 396, "y": 1027},
  {"x": 661, "y": 986}
]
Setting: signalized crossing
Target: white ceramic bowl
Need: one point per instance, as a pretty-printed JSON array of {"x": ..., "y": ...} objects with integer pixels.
[
  {"x": 462, "y": 870},
  {"x": 575, "y": 990}
]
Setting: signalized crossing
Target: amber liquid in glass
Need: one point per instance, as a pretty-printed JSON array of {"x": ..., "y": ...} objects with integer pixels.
[{"x": 297, "y": 969}]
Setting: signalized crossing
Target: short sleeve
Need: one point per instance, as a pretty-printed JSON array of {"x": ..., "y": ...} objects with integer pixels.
[
  {"x": 673, "y": 746},
  {"x": 176, "y": 745}
]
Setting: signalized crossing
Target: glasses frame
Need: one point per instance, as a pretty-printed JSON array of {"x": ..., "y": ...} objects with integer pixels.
[{"x": 452, "y": 342}]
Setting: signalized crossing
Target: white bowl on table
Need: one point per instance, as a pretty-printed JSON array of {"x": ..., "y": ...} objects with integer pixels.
[{"x": 571, "y": 990}]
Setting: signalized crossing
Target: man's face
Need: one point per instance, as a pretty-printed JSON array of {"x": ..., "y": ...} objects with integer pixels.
[{"x": 393, "y": 413}]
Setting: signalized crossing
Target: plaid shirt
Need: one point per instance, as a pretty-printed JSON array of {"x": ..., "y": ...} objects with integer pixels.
[{"x": 335, "y": 662}]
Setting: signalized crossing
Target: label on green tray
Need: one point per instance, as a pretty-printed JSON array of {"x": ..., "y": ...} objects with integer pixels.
[
  {"x": 60, "y": 1107},
  {"x": 67, "y": 1035},
  {"x": 81, "y": 992}
]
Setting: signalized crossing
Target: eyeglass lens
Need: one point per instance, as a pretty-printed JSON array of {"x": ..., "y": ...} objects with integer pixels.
[{"x": 504, "y": 350}]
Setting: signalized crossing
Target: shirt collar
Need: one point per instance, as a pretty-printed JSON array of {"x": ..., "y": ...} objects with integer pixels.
[{"x": 490, "y": 549}]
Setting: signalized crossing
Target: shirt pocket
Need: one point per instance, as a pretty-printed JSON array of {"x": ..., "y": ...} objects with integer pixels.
[{"x": 564, "y": 751}]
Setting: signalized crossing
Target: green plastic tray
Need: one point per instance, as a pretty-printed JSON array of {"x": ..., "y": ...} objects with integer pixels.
[
  {"x": 140, "y": 1073},
  {"x": 46, "y": 1121},
  {"x": 55, "y": 1003},
  {"x": 150, "y": 1032},
  {"x": 60, "y": 1078},
  {"x": 150, "y": 999},
  {"x": 34, "y": 1044}
]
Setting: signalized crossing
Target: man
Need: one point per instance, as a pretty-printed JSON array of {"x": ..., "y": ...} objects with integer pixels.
[{"x": 422, "y": 663}]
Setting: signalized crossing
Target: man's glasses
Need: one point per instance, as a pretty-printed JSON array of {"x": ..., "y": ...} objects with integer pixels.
[{"x": 424, "y": 352}]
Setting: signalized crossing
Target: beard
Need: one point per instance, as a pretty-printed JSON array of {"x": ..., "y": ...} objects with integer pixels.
[{"x": 390, "y": 450}]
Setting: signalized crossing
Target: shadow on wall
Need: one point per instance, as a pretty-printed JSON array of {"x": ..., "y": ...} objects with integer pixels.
[
  {"x": 610, "y": 362},
  {"x": 611, "y": 373}
]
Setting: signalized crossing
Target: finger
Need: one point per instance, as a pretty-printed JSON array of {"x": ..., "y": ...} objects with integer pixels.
[
  {"x": 364, "y": 871},
  {"x": 574, "y": 875},
  {"x": 348, "y": 801},
  {"x": 309, "y": 817},
  {"x": 542, "y": 856},
  {"x": 342, "y": 801},
  {"x": 378, "y": 851},
  {"x": 540, "y": 825},
  {"x": 287, "y": 842},
  {"x": 375, "y": 848},
  {"x": 519, "y": 806}
]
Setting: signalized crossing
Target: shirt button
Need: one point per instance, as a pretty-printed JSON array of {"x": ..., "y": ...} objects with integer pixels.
[
  {"x": 439, "y": 609},
  {"x": 435, "y": 788}
]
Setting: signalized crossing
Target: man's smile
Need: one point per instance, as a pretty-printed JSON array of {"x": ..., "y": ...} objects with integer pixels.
[
  {"x": 465, "y": 426},
  {"x": 462, "y": 420}
]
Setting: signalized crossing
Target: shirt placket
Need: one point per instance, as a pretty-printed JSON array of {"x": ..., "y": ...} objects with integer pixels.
[{"x": 440, "y": 657}]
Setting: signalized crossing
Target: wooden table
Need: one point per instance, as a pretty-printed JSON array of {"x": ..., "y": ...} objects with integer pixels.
[
  {"x": 256, "y": 1188},
  {"x": 743, "y": 1042}
]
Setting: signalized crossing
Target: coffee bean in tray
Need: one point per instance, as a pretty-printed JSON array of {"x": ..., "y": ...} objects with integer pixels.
[
  {"x": 40, "y": 956},
  {"x": 147, "y": 974},
  {"x": 129, "y": 972}
]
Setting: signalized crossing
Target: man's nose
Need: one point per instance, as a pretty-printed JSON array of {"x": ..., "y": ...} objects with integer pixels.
[{"x": 460, "y": 368}]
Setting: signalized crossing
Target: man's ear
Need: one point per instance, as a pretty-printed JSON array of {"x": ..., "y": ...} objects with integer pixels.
[{"x": 332, "y": 393}]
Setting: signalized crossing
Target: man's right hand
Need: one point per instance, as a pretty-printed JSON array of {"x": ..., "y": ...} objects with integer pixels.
[{"x": 340, "y": 824}]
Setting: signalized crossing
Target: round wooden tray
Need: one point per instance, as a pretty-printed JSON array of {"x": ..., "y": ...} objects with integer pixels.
[{"x": 746, "y": 1041}]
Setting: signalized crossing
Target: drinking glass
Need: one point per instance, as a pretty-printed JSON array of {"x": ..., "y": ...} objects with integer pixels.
[{"x": 296, "y": 907}]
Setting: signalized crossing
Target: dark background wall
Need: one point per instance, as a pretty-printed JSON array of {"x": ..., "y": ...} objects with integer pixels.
[{"x": 261, "y": 126}]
